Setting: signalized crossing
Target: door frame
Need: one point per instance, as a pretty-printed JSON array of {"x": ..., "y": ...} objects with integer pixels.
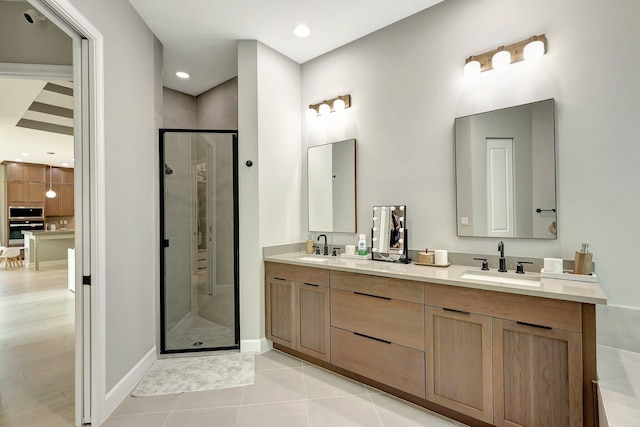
[
  {"x": 164, "y": 242},
  {"x": 89, "y": 189}
]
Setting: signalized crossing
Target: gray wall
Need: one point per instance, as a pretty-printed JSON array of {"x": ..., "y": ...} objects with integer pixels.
[
  {"x": 408, "y": 101},
  {"x": 37, "y": 43},
  {"x": 131, "y": 183},
  {"x": 217, "y": 108}
]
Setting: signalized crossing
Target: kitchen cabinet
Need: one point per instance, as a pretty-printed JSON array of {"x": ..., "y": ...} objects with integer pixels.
[
  {"x": 459, "y": 361},
  {"x": 25, "y": 184},
  {"x": 297, "y": 308},
  {"x": 537, "y": 375},
  {"x": 62, "y": 183}
]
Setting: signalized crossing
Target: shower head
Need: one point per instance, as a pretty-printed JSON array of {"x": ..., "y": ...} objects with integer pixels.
[{"x": 167, "y": 169}]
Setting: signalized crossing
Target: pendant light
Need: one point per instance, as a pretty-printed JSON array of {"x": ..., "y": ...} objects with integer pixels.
[{"x": 50, "y": 194}]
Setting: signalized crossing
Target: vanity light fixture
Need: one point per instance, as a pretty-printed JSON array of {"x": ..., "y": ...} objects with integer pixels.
[
  {"x": 325, "y": 107},
  {"x": 531, "y": 48},
  {"x": 50, "y": 194}
]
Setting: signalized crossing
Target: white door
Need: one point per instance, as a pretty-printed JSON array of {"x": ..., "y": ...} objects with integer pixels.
[{"x": 500, "y": 206}]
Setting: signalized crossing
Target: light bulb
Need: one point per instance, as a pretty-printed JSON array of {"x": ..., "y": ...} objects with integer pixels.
[
  {"x": 50, "y": 194},
  {"x": 501, "y": 59},
  {"x": 324, "y": 109},
  {"x": 338, "y": 105},
  {"x": 533, "y": 50},
  {"x": 312, "y": 112},
  {"x": 472, "y": 68}
]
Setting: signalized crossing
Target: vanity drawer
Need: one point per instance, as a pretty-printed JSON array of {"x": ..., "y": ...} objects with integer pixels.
[
  {"x": 404, "y": 290},
  {"x": 296, "y": 273},
  {"x": 396, "y": 321},
  {"x": 400, "y": 367},
  {"x": 520, "y": 308}
]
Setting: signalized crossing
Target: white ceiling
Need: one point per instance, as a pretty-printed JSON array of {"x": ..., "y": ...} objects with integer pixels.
[
  {"x": 199, "y": 36},
  {"x": 16, "y": 95}
]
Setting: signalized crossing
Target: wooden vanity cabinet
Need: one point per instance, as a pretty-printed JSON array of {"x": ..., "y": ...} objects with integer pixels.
[
  {"x": 459, "y": 361},
  {"x": 537, "y": 376},
  {"x": 377, "y": 329},
  {"x": 297, "y": 308}
]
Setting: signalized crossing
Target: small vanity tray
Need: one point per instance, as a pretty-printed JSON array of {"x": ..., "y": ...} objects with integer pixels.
[
  {"x": 433, "y": 265},
  {"x": 568, "y": 275}
]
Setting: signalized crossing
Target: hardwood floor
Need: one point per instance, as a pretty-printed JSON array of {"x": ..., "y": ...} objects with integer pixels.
[{"x": 36, "y": 348}]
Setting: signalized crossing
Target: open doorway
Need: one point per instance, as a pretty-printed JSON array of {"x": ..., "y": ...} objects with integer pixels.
[{"x": 49, "y": 347}]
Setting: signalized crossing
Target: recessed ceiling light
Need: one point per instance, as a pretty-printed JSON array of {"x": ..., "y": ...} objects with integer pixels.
[
  {"x": 26, "y": 154},
  {"x": 302, "y": 31},
  {"x": 65, "y": 164},
  {"x": 19, "y": 160},
  {"x": 182, "y": 75}
]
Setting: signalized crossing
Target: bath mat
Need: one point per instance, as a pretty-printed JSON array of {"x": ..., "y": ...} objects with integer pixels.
[{"x": 181, "y": 375}]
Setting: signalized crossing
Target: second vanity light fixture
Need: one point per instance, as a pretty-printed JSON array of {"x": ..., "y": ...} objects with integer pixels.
[
  {"x": 500, "y": 57},
  {"x": 329, "y": 106}
]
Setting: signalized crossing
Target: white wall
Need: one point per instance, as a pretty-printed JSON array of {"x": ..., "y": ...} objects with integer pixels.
[
  {"x": 270, "y": 191},
  {"x": 407, "y": 87},
  {"x": 131, "y": 120}
]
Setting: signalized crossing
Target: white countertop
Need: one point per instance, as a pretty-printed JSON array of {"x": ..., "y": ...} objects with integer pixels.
[
  {"x": 48, "y": 232},
  {"x": 567, "y": 290}
]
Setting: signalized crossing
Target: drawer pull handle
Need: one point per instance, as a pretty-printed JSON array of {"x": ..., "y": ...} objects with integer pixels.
[
  {"x": 278, "y": 278},
  {"x": 371, "y": 338},
  {"x": 456, "y": 311},
  {"x": 534, "y": 325},
  {"x": 311, "y": 284},
  {"x": 373, "y": 296}
]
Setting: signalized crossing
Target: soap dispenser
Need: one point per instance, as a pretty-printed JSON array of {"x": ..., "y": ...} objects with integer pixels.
[
  {"x": 362, "y": 245},
  {"x": 309, "y": 245}
]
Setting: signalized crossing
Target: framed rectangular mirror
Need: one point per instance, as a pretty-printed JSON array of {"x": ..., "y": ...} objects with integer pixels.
[
  {"x": 331, "y": 178},
  {"x": 506, "y": 173}
]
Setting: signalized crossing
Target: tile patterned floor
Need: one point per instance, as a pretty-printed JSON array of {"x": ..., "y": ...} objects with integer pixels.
[
  {"x": 619, "y": 382},
  {"x": 287, "y": 393}
]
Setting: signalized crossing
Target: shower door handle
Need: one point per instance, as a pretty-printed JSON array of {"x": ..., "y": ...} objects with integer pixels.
[{"x": 165, "y": 243}]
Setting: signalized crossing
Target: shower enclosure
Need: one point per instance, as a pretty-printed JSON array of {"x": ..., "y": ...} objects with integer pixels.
[{"x": 199, "y": 290}]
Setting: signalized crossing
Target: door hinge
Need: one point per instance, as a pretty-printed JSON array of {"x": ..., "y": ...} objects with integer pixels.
[{"x": 86, "y": 280}]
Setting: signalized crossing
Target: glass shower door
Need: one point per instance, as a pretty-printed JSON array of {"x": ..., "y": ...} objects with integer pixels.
[{"x": 199, "y": 241}]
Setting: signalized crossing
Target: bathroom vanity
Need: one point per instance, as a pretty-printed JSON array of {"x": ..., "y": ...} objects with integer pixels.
[{"x": 511, "y": 350}]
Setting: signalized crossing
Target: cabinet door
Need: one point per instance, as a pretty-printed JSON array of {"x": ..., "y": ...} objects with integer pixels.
[
  {"x": 312, "y": 324},
  {"x": 35, "y": 192},
  {"x": 458, "y": 362},
  {"x": 66, "y": 200},
  {"x": 537, "y": 376},
  {"x": 35, "y": 174},
  {"x": 280, "y": 303},
  {"x": 16, "y": 172},
  {"x": 52, "y": 206},
  {"x": 16, "y": 192},
  {"x": 66, "y": 176}
]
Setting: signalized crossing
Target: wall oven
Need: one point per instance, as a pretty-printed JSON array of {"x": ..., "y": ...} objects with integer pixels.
[{"x": 24, "y": 218}]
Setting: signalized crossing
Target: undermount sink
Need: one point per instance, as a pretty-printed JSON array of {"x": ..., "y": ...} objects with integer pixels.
[
  {"x": 511, "y": 279},
  {"x": 313, "y": 259}
]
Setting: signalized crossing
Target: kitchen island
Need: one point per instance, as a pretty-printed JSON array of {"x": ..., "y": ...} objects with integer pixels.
[{"x": 47, "y": 245}]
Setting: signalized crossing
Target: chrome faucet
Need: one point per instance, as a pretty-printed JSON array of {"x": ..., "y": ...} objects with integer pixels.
[
  {"x": 503, "y": 261},
  {"x": 326, "y": 247}
]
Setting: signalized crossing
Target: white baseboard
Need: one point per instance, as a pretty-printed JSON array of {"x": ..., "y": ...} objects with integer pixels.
[
  {"x": 125, "y": 386},
  {"x": 257, "y": 346}
]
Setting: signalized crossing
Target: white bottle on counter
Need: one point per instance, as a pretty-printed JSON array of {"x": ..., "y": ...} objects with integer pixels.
[{"x": 362, "y": 245}]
